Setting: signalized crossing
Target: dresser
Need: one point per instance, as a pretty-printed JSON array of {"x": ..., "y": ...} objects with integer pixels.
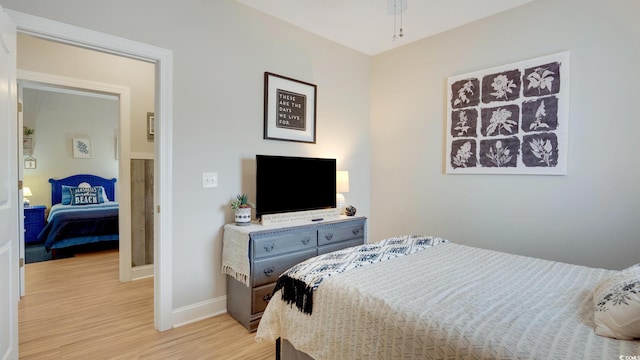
[
  {"x": 270, "y": 251},
  {"x": 33, "y": 222}
]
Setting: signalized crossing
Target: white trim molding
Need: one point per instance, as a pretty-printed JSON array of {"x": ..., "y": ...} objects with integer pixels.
[
  {"x": 163, "y": 59},
  {"x": 199, "y": 311},
  {"x": 142, "y": 156},
  {"x": 142, "y": 272}
]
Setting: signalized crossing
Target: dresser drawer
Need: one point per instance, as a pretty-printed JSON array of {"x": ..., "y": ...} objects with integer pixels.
[
  {"x": 331, "y": 235},
  {"x": 31, "y": 231},
  {"x": 34, "y": 215},
  {"x": 340, "y": 245},
  {"x": 261, "y": 296},
  {"x": 268, "y": 269},
  {"x": 283, "y": 243},
  {"x": 33, "y": 222}
]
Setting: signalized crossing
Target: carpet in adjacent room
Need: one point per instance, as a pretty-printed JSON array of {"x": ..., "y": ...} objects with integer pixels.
[{"x": 36, "y": 253}]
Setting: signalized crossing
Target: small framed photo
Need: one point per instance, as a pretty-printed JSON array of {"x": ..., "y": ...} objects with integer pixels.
[
  {"x": 151, "y": 126},
  {"x": 27, "y": 146},
  {"x": 289, "y": 109},
  {"x": 82, "y": 148},
  {"x": 30, "y": 163}
]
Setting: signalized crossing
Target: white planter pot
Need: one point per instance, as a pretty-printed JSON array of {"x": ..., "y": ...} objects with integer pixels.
[{"x": 243, "y": 216}]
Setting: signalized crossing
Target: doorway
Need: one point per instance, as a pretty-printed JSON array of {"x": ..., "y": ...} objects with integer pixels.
[
  {"x": 52, "y": 116},
  {"x": 163, "y": 60},
  {"x": 135, "y": 98}
]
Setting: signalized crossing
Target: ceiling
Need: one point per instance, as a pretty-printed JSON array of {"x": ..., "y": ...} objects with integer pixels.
[{"x": 368, "y": 25}]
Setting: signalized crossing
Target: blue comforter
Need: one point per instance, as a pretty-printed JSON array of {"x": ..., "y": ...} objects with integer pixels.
[{"x": 75, "y": 225}]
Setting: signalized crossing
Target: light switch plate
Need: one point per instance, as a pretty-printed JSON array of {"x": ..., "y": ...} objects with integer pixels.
[{"x": 209, "y": 180}]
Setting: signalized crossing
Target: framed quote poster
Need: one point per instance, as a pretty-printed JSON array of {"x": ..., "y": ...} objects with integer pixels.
[
  {"x": 289, "y": 109},
  {"x": 510, "y": 119}
]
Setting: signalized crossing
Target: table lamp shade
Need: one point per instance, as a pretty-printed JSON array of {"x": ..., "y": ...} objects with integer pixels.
[
  {"x": 342, "y": 181},
  {"x": 26, "y": 192},
  {"x": 342, "y": 185}
]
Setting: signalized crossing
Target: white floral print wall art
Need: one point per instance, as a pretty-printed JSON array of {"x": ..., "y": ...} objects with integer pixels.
[
  {"x": 462, "y": 126},
  {"x": 467, "y": 87},
  {"x": 463, "y": 154},
  {"x": 502, "y": 86},
  {"x": 542, "y": 150},
  {"x": 541, "y": 78},
  {"x": 510, "y": 119},
  {"x": 500, "y": 120}
]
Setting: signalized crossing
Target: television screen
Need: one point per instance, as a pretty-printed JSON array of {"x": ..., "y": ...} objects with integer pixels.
[{"x": 288, "y": 184}]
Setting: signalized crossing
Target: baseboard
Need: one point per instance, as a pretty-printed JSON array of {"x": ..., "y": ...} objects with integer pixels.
[
  {"x": 141, "y": 156},
  {"x": 199, "y": 311},
  {"x": 141, "y": 272}
]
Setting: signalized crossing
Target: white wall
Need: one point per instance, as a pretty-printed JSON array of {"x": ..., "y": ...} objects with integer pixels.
[
  {"x": 588, "y": 217},
  {"x": 50, "y": 57},
  {"x": 58, "y": 118},
  {"x": 221, "y": 50}
]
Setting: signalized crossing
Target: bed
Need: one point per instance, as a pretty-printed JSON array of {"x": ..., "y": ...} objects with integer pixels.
[
  {"x": 450, "y": 301},
  {"x": 83, "y": 212}
]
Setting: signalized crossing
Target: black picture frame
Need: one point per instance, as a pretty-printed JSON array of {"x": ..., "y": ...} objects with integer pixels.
[{"x": 289, "y": 109}]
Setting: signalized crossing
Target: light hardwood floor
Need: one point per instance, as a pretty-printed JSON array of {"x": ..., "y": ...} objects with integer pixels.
[{"x": 77, "y": 309}]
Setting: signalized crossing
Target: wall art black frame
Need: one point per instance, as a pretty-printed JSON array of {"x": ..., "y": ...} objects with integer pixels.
[{"x": 289, "y": 109}]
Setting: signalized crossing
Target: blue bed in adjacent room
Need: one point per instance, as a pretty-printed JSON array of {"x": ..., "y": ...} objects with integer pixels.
[{"x": 83, "y": 211}]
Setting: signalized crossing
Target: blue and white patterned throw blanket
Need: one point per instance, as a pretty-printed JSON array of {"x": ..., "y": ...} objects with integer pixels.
[{"x": 299, "y": 282}]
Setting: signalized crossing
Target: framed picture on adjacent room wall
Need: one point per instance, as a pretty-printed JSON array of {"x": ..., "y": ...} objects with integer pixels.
[
  {"x": 27, "y": 146},
  {"x": 289, "y": 109},
  {"x": 151, "y": 126},
  {"x": 30, "y": 163},
  {"x": 82, "y": 148}
]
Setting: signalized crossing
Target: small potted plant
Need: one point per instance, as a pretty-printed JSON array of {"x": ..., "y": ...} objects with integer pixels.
[{"x": 242, "y": 206}]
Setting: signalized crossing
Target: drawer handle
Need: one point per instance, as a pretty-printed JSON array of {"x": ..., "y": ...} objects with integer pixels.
[
  {"x": 266, "y": 298},
  {"x": 268, "y": 247},
  {"x": 268, "y": 271},
  {"x": 329, "y": 236},
  {"x": 306, "y": 241},
  {"x": 355, "y": 231}
]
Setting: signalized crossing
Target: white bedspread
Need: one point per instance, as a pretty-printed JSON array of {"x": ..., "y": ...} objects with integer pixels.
[{"x": 450, "y": 302}]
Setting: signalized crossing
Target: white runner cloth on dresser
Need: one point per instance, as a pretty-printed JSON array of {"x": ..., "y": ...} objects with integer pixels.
[{"x": 235, "y": 252}]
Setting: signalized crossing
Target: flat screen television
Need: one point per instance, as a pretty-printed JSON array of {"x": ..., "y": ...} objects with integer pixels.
[{"x": 288, "y": 184}]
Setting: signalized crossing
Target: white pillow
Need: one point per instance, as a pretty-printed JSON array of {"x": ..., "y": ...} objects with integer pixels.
[{"x": 617, "y": 305}]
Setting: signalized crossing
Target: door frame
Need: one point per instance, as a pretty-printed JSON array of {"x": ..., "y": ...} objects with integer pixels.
[
  {"x": 10, "y": 192},
  {"x": 20, "y": 172},
  {"x": 163, "y": 59},
  {"x": 28, "y": 79}
]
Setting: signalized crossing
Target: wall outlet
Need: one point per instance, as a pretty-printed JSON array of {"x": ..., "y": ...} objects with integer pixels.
[{"x": 209, "y": 180}]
